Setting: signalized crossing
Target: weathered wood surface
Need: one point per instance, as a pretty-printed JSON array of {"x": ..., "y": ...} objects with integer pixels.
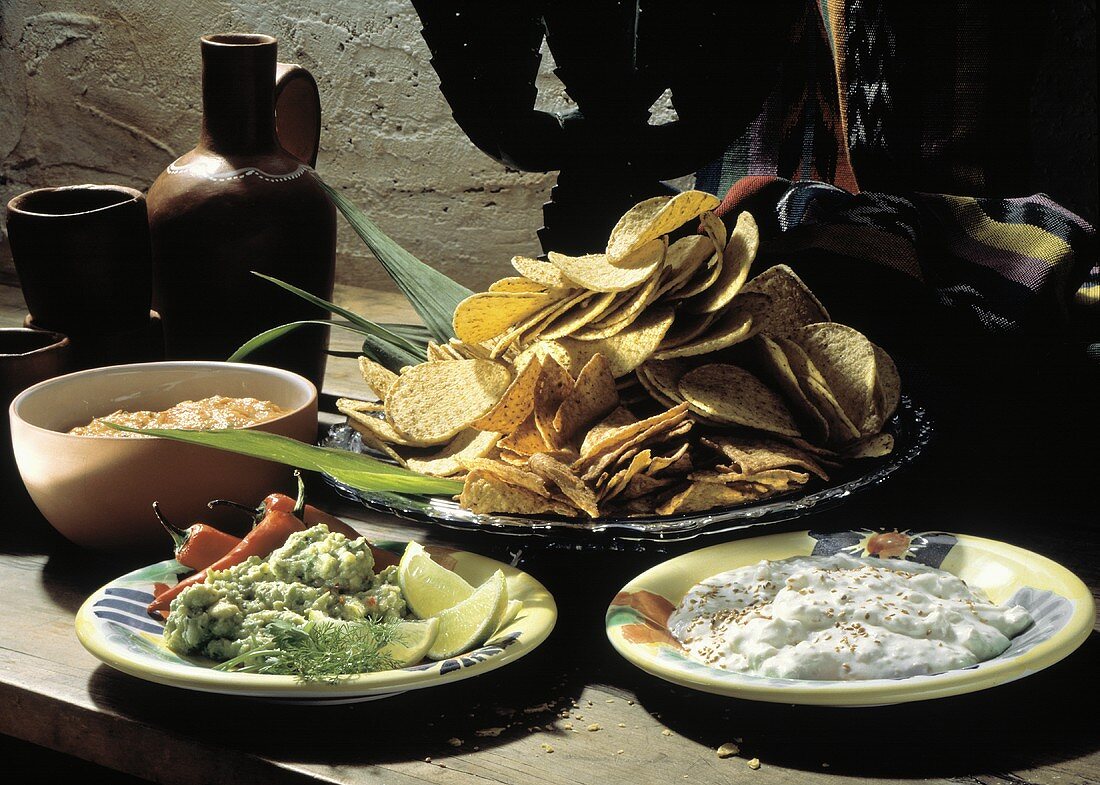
[{"x": 1040, "y": 730}]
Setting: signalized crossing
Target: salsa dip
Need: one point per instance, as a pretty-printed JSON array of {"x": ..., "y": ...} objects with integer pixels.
[
  {"x": 841, "y": 618},
  {"x": 215, "y": 412}
]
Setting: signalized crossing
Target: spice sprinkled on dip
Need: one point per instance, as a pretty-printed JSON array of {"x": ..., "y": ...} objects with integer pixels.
[
  {"x": 841, "y": 618},
  {"x": 216, "y": 412}
]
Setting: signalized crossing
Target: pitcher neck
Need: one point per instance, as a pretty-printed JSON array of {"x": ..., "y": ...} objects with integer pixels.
[{"x": 238, "y": 93}]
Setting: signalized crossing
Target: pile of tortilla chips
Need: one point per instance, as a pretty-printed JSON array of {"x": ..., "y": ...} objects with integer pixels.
[{"x": 656, "y": 377}]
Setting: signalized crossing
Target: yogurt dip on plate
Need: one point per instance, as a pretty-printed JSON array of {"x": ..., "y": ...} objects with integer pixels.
[{"x": 841, "y": 618}]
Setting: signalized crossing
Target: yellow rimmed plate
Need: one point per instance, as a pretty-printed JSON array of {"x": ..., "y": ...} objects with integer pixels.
[
  {"x": 1060, "y": 603},
  {"x": 112, "y": 624}
]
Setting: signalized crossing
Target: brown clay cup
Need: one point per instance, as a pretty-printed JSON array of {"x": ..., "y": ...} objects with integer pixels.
[
  {"x": 83, "y": 257},
  {"x": 26, "y": 357}
]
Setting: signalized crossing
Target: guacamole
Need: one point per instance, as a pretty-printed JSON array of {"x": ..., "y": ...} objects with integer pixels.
[{"x": 316, "y": 575}]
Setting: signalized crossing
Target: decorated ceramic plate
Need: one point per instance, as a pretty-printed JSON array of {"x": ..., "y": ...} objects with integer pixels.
[
  {"x": 911, "y": 428},
  {"x": 113, "y": 625},
  {"x": 1059, "y": 603}
]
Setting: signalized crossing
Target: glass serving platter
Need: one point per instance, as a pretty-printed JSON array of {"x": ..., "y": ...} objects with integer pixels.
[{"x": 911, "y": 426}]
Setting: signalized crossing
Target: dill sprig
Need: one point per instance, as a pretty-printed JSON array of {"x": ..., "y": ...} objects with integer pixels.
[{"x": 321, "y": 651}]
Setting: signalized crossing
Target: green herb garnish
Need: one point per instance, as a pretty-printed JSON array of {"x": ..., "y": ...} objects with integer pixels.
[{"x": 321, "y": 651}]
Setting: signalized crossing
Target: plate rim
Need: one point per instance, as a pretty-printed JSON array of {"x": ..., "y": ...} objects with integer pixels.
[
  {"x": 869, "y": 692},
  {"x": 537, "y": 628}
]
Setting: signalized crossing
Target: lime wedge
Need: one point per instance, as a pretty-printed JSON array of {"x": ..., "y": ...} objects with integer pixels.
[
  {"x": 429, "y": 588},
  {"x": 412, "y": 639},
  {"x": 470, "y": 623},
  {"x": 511, "y": 611}
]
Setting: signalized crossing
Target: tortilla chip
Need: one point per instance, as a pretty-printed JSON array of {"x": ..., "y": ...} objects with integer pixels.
[
  {"x": 846, "y": 360},
  {"x": 728, "y": 394},
  {"x": 593, "y": 396},
  {"x": 509, "y": 473},
  {"x": 793, "y": 304},
  {"x": 615, "y": 445},
  {"x": 643, "y": 485},
  {"x": 366, "y": 422},
  {"x": 874, "y": 446},
  {"x": 736, "y": 260},
  {"x": 628, "y": 349},
  {"x": 754, "y": 454},
  {"x": 621, "y": 314},
  {"x": 683, "y": 260},
  {"x": 618, "y": 482},
  {"x": 526, "y": 439},
  {"x": 596, "y": 273},
  {"x": 541, "y": 272},
  {"x": 616, "y": 419},
  {"x": 552, "y": 387},
  {"x": 378, "y": 377},
  {"x": 515, "y": 404},
  {"x": 469, "y": 444},
  {"x": 887, "y": 384},
  {"x": 841, "y": 428},
  {"x": 707, "y": 273},
  {"x": 516, "y": 284},
  {"x": 736, "y": 324},
  {"x": 435, "y": 400},
  {"x": 568, "y": 483},
  {"x": 782, "y": 377},
  {"x": 650, "y": 219},
  {"x": 488, "y": 314},
  {"x": 700, "y": 496},
  {"x": 578, "y": 316},
  {"x": 486, "y": 494},
  {"x": 664, "y": 377}
]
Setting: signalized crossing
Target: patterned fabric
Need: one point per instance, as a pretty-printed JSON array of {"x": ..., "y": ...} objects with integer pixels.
[{"x": 891, "y": 134}]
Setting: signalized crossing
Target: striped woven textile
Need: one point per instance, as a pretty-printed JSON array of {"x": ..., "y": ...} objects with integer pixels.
[{"x": 892, "y": 134}]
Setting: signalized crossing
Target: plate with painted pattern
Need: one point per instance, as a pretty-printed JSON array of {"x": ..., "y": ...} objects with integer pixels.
[
  {"x": 113, "y": 625},
  {"x": 1059, "y": 602}
]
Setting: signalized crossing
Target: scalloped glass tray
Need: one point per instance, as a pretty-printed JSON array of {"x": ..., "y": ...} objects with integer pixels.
[{"x": 911, "y": 426}]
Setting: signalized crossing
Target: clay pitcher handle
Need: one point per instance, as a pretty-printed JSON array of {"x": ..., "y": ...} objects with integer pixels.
[{"x": 297, "y": 112}]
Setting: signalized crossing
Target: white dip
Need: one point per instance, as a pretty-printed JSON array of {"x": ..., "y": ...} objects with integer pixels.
[{"x": 841, "y": 617}]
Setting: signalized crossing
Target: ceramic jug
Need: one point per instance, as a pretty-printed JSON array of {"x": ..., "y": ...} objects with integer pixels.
[{"x": 245, "y": 199}]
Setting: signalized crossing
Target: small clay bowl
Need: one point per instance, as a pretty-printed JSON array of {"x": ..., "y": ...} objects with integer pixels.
[{"x": 98, "y": 491}]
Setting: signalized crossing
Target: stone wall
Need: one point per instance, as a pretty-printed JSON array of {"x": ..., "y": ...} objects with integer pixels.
[{"x": 111, "y": 94}]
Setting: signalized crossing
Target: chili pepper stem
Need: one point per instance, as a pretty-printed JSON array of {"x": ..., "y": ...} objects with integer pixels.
[
  {"x": 178, "y": 535},
  {"x": 254, "y": 512},
  {"x": 300, "y": 502}
]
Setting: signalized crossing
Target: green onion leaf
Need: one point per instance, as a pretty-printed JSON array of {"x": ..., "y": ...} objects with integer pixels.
[
  {"x": 434, "y": 296},
  {"x": 266, "y": 337},
  {"x": 361, "y": 472}
]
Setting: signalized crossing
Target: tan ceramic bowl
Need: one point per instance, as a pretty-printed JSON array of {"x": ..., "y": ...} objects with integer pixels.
[{"x": 98, "y": 490}]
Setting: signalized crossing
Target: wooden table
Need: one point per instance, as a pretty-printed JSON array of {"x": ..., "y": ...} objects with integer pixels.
[{"x": 1026, "y": 480}]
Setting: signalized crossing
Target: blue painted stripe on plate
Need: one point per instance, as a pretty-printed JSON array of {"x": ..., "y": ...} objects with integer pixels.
[
  {"x": 130, "y": 594},
  {"x": 123, "y": 605},
  {"x": 129, "y": 621}
]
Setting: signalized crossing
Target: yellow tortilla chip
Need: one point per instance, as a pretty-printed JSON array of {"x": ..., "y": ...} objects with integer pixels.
[
  {"x": 593, "y": 396},
  {"x": 707, "y": 273},
  {"x": 846, "y": 360},
  {"x": 841, "y": 428},
  {"x": 594, "y": 272},
  {"x": 728, "y": 394},
  {"x": 509, "y": 473},
  {"x": 628, "y": 349},
  {"x": 617, "y": 483},
  {"x": 434, "y": 401},
  {"x": 782, "y": 377},
  {"x": 652, "y": 218},
  {"x": 700, "y": 496},
  {"x": 578, "y": 316},
  {"x": 793, "y": 305},
  {"x": 380, "y": 428},
  {"x": 664, "y": 376},
  {"x": 378, "y": 377},
  {"x": 568, "y": 483},
  {"x": 552, "y": 386},
  {"x": 621, "y": 314},
  {"x": 526, "y": 439},
  {"x": 517, "y": 402},
  {"x": 874, "y": 446},
  {"x": 616, "y": 419},
  {"x": 541, "y": 272},
  {"x": 736, "y": 260},
  {"x": 736, "y": 324},
  {"x": 486, "y": 315},
  {"x": 466, "y": 446},
  {"x": 887, "y": 384},
  {"x": 486, "y": 494},
  {"x": 754, "y": 454},
  {"x": 516, "y": 284}
]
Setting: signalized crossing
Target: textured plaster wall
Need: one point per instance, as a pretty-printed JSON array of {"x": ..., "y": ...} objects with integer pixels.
[{"x": 110, "y": 93}]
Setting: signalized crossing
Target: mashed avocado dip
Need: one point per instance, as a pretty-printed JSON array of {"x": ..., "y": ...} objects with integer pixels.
[{"x": 316, "y": 576}]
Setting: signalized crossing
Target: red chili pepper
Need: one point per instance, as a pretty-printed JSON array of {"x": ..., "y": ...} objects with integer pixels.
[
  {"x": 200, "y": 544},
  {"x": 269, "y": 534}
]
